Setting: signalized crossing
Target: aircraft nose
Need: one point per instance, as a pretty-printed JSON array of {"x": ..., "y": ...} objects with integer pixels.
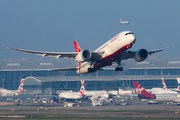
[{"x": 132, "y": 39}]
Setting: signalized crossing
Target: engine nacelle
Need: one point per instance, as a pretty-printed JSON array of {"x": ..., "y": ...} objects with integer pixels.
[
  {"x": 83, "y": 56},
  {"x": 141, "y": 55}
]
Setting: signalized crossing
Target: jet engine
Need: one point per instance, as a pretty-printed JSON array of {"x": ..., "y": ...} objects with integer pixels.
[
  {"x": 83, "y": 56},
  {"x": 141, "y": 55}
]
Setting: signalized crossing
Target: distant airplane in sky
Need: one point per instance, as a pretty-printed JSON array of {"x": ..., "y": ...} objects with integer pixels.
[
  {"x": 123, "y": 22},
  {"x": 5, "y": 92},
  {"x": 114, "y": 50}
]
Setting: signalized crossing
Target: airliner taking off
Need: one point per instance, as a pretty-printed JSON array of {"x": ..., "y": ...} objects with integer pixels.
[
  {"x": 114, "y": 50},
  {"x": 5, "y": 92}
]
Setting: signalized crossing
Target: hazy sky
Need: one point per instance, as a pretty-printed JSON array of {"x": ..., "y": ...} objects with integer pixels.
[{"x": 53, "y": 25}]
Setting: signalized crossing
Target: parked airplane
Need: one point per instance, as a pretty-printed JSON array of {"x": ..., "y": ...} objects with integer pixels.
[
  {"x": 100, "y": 94},
  {"x": 158, "y": 97},
  {"x": 114, "y": 50},
  {"x": 177, "y": 89},
  {"x": 123, "y": 22},
  {"x": 5, "y": 92},
  {"x": 71, "y": 95}
]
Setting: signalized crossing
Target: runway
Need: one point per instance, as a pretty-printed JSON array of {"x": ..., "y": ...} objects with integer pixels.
[{"x": 139, "y": 109}]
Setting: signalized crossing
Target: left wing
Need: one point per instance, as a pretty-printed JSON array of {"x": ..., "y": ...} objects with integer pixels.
[
  {"x": 130, "y": 54},
  {"x": 64, "y": 69},
  {"x": 50, "y": 54},
  {"x": 72, "y": 55}
]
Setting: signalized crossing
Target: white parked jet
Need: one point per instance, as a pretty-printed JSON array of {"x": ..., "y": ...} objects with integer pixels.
[
  {"x": 114, "y": 50},
  {"x": 101, "y": 94},
  {"x": 163, "y": 96},
  {"x": 71, "y": 95},
  {"x": 5, "y": 92}
]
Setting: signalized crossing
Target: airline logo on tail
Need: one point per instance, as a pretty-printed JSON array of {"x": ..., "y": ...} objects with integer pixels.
[
  {"x": 81, "y": 93},
  {"x": 77, "y": 49},
  {"x": 82, "y": 89},
  {"x": 82, "y": 86},
  {"x": 164, "y": 84},
  {"x": 178, "y": 80},
  {"x": 76, "y": 46},
  {"x": 142, "y": 93},
  {"x": 20, "y": 89}
]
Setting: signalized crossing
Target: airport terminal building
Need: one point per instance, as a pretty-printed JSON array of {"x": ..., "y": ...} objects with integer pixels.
[{"x": 38, "y": 78}]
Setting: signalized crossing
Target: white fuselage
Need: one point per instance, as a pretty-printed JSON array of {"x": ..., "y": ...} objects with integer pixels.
[
  {"x": 96, "y": 93},
  {"x": 165, "y": 95},
  {"x": 124, "y": 22},
  {"x": 112, "y": 49},
  {"x": 70, "y": 95},
  {"x": 167, "y": 98},
  {"x": 162, "y": 91},
  {"x": 5, "y": 92}
]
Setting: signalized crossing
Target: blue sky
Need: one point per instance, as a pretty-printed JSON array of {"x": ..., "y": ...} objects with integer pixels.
[{"x": 53, "y": 25}]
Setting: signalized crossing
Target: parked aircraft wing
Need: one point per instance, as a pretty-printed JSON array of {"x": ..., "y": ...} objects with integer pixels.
[
  {"x": 72, "y": 55},
  {"x": 130, "y": 54}
]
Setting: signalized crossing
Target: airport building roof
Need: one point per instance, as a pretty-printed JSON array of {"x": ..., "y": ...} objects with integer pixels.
[
  {"x": 101, "y": 78},
  {"x": 30, "y": 64}
]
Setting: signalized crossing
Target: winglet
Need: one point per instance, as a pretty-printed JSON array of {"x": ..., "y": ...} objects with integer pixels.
[
  {"x": 76, "y": 46},
  {"x": 142, "y": 93}
]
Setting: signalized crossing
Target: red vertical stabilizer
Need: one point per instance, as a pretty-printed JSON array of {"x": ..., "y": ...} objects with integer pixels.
[
  {"x": 142, "y": 93},
  {"x": 76, "y": 46},
  {"x": 77, "y": 49}
]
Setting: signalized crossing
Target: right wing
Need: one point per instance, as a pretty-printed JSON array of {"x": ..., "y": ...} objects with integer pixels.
[{"x": 131, "y": 54}]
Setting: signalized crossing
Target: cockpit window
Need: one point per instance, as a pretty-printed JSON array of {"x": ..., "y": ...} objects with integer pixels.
[{"x": 128, "y": 33}]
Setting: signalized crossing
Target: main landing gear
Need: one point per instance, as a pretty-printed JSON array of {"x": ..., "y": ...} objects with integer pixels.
[
  {"x": 119, "y": 68},
  {"x": 91, "y": 69}
]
